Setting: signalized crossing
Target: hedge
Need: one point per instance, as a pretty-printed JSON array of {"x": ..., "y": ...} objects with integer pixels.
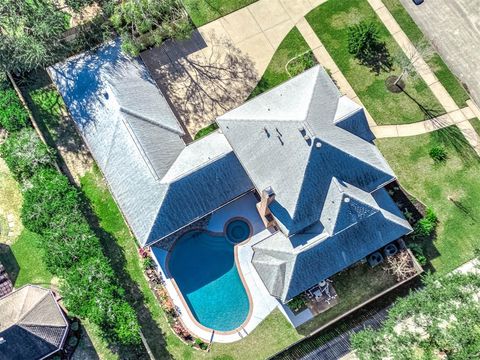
[
  {"x": 55, "y": 209},
  {"x": 13, "y": 115}
]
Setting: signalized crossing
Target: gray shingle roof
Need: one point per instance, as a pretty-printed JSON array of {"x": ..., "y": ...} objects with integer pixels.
[
  {"x": 296, "y": 138},
  {"x": 31, "y": 324},
  {"x": 136, "y": 141},
  {"x": 357, "y": 227}
]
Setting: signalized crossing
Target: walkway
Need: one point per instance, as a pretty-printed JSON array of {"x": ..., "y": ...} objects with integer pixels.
[{"x": 454, "y": 116}]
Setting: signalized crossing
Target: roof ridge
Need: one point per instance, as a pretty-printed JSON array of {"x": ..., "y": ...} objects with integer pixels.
[
  {"x": 47, "y": 293},
  {"x": 152, "y": 122}
]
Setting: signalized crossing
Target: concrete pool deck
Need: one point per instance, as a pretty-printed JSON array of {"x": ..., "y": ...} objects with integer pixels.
[{"x": 262, "y": 302}]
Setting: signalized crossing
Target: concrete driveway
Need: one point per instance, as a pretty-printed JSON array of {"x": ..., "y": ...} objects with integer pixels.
[{"x": 454, "y": 28}]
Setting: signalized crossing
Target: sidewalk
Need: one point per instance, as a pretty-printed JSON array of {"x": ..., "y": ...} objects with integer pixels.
[{"x": 459, "y": 117}]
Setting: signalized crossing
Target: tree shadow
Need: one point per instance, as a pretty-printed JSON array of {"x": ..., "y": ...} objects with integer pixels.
[
  {"x": 452, "y": 138},
  {"x": 202, "y": 85},
  {"x": 8, "y": 260},
  {"x": 378, "y": 58},
  {"x": 427, "y": 112},
  {"x": 85, "y": 348},
  {"x": 153, "y": 334}
]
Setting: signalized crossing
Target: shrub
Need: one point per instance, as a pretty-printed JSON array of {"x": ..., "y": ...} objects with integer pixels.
[
  {"x": 365, "y": 45},
  {"x": 417, "y": 251},
  {"x": 13, "y": 115},
  {"x": 25, "y": 154},
  {"x": 49, "y": 202},
  {"x": 296, "y": 303},
  {"x": 201, "y": 344},
  {"x": 90, "y": 290},
  {"x": 426, "y": 226},
  {"x": 148, "y": 263},
  {"x": 438, "y": 154}
]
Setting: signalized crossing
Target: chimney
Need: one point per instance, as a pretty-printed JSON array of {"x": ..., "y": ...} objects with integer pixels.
[{"x": 266, "y": 198}]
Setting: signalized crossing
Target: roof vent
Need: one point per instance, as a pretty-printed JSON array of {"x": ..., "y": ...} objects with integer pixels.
[
  {"x": 307, "y": 139},
  {"x": 278, "y": 131},
  {"x": 280, "y": 139},
  {"x": 266, "y": 131},
  {"x": 318, "y": 144},
  {"x": 347, "y": 199},
  {"x": 2, "y": 341}
]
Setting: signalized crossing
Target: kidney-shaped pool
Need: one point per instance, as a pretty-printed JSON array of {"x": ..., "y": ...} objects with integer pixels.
[{"x": 203, "y": 266}]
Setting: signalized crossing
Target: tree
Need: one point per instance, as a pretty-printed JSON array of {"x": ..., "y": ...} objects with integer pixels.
[
  {"x": 30, "y": 34},
  {"x": 414, "y": 56},
  {"x": 25, "y": 154},
  {"x": 440, "y": 320},
  {"x": 146, "y": 23},
  {"x": 365, "y": 44}
]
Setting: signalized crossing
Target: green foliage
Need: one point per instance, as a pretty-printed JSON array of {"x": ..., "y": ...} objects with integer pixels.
[
  {"x": 91, "y": 291},
  {"x": 49, "y": 202},
  {"x": 365, "y": 45},
  {"x": 25, "y": 154},
  {"x": 418, "y": 252},
  {"x": 296, "y": 303},
  {"x": 201, "y": 344},
  {"x": 31, "y": 34},
  {"x": 146, "y": 23},
  {"x": 426, "y": 226},
  {"x": 438, "y": 154},
  {"x": 13, "y": 115},
  {"x": 148, "y": 263},
  {"x": 301, "y": 63},
  {"x": 443, "y": 317}
]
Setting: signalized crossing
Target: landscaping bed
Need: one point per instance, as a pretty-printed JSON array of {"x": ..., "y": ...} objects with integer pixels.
[
  {"x": 438, "y": 66},
  {"x": 331, "y": 22},
  {"x": 292, "y": 57},
  {"x": 205, "y": 11},
  {"x": 451, "y": 188}
]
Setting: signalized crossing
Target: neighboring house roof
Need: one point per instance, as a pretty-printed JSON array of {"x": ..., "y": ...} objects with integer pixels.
[
  {"x": 32, "y": 325},
  {"x": 6, "y": 285},
  {"x": 296, "y": 138},
  {"x": 160, "y": 184},
  {"x": 354, "y": 225}
]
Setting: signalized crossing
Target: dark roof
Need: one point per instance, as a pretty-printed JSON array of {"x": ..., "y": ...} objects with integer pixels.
[
  {"x": 32, "y": 324},
  {"x": 296, "y": 138},
  {"x": 6, "y": 285},
  {"x": 356, "y": 228},
  {"x": 159, "y": 183}
]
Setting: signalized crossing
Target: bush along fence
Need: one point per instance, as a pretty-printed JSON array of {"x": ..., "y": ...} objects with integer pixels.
[
  {"x": 55, "y": 209},
  {"x": 172, "y": 313}
]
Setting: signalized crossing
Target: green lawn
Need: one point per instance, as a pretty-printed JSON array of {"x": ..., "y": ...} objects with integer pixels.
[
  {"x": 448, "y": 80},
  {"x": 204, "y": 11},
  {"x": 205, "y": 131},
  {"x": 269, "y": 337},
  {"x": 292, "y": 46},
  {"x": 476, "y": 124},
  {"x": 451, "y": 189},
  {"x": 331, "y": 22},
  {"x": 350, "y": 293}
]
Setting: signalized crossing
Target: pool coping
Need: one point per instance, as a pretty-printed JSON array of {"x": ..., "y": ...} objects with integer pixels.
[{"x": 239, "y": 270}]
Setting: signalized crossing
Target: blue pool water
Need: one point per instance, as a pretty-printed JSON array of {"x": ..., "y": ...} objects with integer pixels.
[
  {"x": 204, "y": 269},
  {"x": 237, "y": 231}
]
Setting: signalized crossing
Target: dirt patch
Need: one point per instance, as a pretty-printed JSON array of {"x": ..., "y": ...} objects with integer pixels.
[{"x": 392, "y": 87}]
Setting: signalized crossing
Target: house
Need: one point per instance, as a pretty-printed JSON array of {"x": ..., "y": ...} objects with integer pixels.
[
  {"x": 32, "y": 325},
  {"x": 302, "y": 148}
]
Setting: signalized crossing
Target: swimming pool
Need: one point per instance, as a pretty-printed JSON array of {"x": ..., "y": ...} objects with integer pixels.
[
  {"x": 237, "y": 231},
  {"x": 203, "y": 266}
]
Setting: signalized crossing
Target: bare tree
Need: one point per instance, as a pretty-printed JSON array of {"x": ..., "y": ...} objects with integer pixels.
[{"x": 414, "y": 57}]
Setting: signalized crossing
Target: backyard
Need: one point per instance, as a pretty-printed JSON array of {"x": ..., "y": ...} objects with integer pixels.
[
  {"x": 331, "y": 22},
  {"x": 451, "y": 189}
]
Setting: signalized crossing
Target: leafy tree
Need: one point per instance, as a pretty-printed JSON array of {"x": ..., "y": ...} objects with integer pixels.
[
  {"x": 25, "y": 154},
  {"x": 30, "y": 34},
  {"x": 146, "y": 23},
  {"x": 364, "y": 43},
  {"x": 90, "y": 290},
  {"x": 439, "y": 321},
  {"x": 13, "y": 115},
  {"x": 49, "y": 201}
]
